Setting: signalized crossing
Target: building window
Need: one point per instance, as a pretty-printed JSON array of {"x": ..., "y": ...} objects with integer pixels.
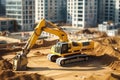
[
  {"x": 80, "y": 3},
  {"x": 18, "y": 3},
  {"x": 30, "y": 3},
  {"x": 79, "y": 25},
  {"x": 80, "y": 11},
  {"x": 79, "y": 19},
  {"x": 19, "y": 16},
  {"x": 68, "y": 17},
  {"x": 80, "y": 15},
  {"x": 11, "y": 22},
  {"x": 3, "y": 22},
  {"x": 26, "y": 2},
  {"x": 74, "y": 24},
  {"x": 79, "y": 7}
]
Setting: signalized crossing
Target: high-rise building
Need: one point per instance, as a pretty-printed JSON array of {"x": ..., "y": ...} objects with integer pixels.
[
  {"x": 82, "y": 13},
  {"x": 101, "y": 11},
  {"x": 109, "y": 11},
  {"x": 2, "y": 7},
  {"x": 53, "y": 10},
  {"x": 7, "y": 24},
  {"x": 117, "y": 12},
  {"x": 23, "y": 11}
]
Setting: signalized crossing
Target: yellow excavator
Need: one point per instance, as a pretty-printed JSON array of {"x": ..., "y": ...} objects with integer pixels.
[{"x": 63, "y": 52}]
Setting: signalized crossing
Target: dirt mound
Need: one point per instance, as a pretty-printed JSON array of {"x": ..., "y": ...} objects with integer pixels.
[
  {"x": 6, "y": 74},
  {"x": 4, "y": 65},
  {"x": 110, "y": 41},
  {"x": 107, "y": 51},
  {"x": 90, "y": 31},
  {"x": 39, "y": 54},
  {"x": 108, "y": 45},
  {"x": 107, "y": 76},
  {"x": 10, "y": 75},
  {"x": 115, "y": 65},
  {"x": 44, "y": 43},
  {"x": 39, "y": 43},
  {"x": 100, "y": 49},
  {"x": 1, "y": 58}
]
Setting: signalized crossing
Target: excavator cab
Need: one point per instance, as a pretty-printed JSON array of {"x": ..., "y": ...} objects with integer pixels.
[
  {"x": 58, "y": 50},
  {"x": 61, "y": 47}
]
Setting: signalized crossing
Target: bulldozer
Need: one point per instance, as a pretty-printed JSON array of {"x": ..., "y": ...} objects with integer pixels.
[{"x": 63, "y": 52}]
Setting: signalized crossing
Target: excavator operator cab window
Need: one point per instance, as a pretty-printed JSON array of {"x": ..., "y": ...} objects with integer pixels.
[
  {"x": 86, "y": 43},
  {"x": 58, "y": 48},
  {"x": 75, "y": 44},
  {"x": 61, "y": 48},
  {"x": 64, "y": 48}
]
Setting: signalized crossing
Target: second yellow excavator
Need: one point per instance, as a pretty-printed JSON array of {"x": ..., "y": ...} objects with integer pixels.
[{"x": 63, "y": 52}]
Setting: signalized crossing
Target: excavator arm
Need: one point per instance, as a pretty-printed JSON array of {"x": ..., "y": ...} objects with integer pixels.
[{"x": 20, "y": 60}]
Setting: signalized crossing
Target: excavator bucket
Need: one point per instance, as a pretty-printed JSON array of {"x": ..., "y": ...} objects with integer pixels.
[{"x": 19, "y": 62}]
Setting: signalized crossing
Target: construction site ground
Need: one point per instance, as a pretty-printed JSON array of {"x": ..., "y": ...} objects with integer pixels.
[
  {"x": 103, "y": 63},
  {"x": 38, "y": 63}
]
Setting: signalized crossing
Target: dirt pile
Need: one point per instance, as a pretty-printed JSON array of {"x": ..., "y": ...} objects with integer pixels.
[
  {"x": 93, "y": 32},
  {"x": 44, "y": 43},
  {"x": 4, "y": 65},
  {"x": 111, "y": 47},
  {"x": 107, "y": 51},
  {"x": 39, "y": 43},
  {"x": 10, "y": 75},
  {"x": 6, "y": 73},
  {"x": 108, "y": 45},
  {"x": 39, "y": 54},
  {"x": 1, "y": 58},
  {"x": 115, "y": 65},
  {"x": 107, "y": 76}
]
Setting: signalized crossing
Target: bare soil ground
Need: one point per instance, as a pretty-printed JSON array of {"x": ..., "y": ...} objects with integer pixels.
[
  {"x": 95, "y": 68},
  {"x": 103, "y": 63}
]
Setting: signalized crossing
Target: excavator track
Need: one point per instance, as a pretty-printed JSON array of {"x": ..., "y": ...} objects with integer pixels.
[
  {"x": 52, "y": 57},
  {"x": 71, "y": 59}
]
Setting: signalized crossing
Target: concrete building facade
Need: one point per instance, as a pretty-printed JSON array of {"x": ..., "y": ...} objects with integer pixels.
[
  {"x": 82, "y": 13},
  {"x": 117, "y": 11},
  {"x": 101, "y": 11},
  {"x": 53, "y": 10},
  {"x": 110, "y": 28},
  {"x": 2, "y": 7},
  {"x": 7, "y": 24},
  {"x": 109, "y": 10},
  {"x": 23, "y": 11}
]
